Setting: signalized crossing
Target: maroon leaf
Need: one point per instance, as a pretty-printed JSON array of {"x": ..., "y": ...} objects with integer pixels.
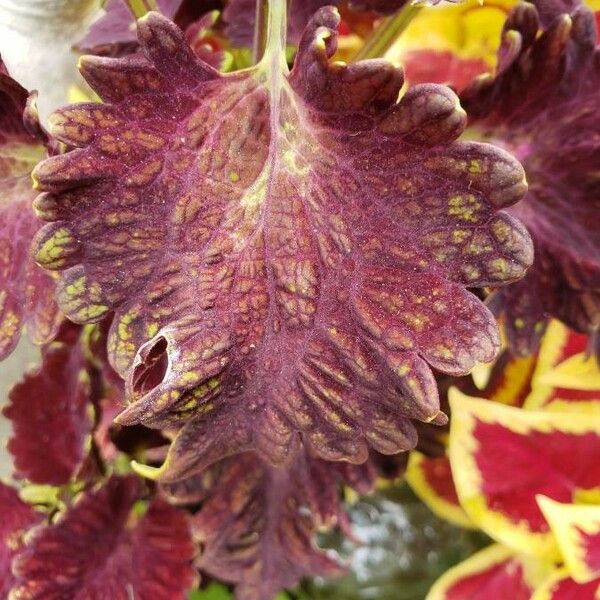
[
  {"x": 545, "y": 96},
  {"x": 257, "y": 523},
  {"x": 240, "y": 15},
  {"x": 388, "y": 7},
  {"x": 17, "y": 517},
  {"x": 284, "y": 253},
  {"x": 26, "y": 292},
  {"x": 114, "y": 34},
  {"x": 50, "y": 414},
  {"x": 117, "y": 25},
  {"x": 102, "y": 549}
]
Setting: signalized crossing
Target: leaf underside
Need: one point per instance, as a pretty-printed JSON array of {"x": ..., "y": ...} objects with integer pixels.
[{"x": 285, "y": 254}]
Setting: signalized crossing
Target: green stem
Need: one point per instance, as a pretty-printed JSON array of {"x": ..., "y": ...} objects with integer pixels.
[
  {"x": 260, "y": 30},
  {"x": 140, "y": 8},
  {"x": 270, "y": 27},
  {"x": 383, "y": 38}
]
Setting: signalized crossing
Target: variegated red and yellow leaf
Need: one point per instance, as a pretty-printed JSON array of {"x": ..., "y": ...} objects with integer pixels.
[
  {"x": 510, "y": 379},
  {"x": 560, "y": 586},
  {"x": 576, "y": 528},
  {"x": 431, "y": 479},
  {"x": 502, "y": 457},
  {"x": 554, "y": 386},
  {"x": 495, "y": 573}
]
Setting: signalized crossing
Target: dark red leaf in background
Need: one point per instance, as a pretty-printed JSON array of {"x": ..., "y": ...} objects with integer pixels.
[
  {"x": 543, "y": 106},
  {"x": 50, "y": 413},
  {"x": 17, "y": 518},
  {"x": 101, "y": 549},
  {"x": 26, "y": 291}
]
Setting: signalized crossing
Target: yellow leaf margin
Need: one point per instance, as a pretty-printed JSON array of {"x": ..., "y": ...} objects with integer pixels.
[
  {"x": 565, "y": 520},
  {"x": 463, "y": 447},
  {"x": 415, "y": 477},
  {"x": 485, "y": 559}
]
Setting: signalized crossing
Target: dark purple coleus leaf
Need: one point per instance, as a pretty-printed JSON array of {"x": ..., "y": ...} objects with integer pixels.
[
  {"x": 240, "y": 15},
  {"x": 240, "y": 18},
  {"x": 388, "y": 7},
  {"x": 257, "y": 523},
  {"x": 284, "y": 253},
  {"x": 50, "y": 413},
  {"x": 543, "y": 106},
  {"x": 102, "y": 548},
  {"x": 17, "y": 518},
  {"x": 26, "y": 291},
  {"x": 114, "y": 34},
  {"x": 117, "y": 25}
]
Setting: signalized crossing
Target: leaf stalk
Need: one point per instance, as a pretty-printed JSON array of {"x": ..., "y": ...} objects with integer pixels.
[
  {"x": 270, "y": 14},
  {"x": 390, "y": 29},
  {"x": 139, "y": 8}
]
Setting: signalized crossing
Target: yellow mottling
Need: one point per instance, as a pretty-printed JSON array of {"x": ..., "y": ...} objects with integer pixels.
[
  {"x": 152, "y": 329},
  {"x": 472, "y": 273},
  {"x": 234, "y": 177},
  {"x": 124, "y": 332},
  {"x": 459, "y": 236},
  {"x": 189, "y": 378},
  {"x": 499, "y": 267},
  {"x": 76, "y": 288},
  {"x": 464, "y": 206},
  {"x": 475, "y": 166},
  {"x": 290, "y": 158},
  {"x": 53, "y": 250},
  {"x": 9, "y": 325},
  {"x": 501, "y": 230},
  {"x": 519, "y": 323},
  {"x": 93, "y": 311},
  {"x": 403, "y": 370},
  {"x": 444, "y": 352}
]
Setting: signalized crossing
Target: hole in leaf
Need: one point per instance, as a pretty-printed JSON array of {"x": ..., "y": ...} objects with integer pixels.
[{"x": 151, "y": 372}]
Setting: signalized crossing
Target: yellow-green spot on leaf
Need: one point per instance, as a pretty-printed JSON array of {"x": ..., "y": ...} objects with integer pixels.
[
  {"x": 76, "y": 288},
  {"x": 152, "y": 329},
  {"x": 290, "y": 160},
  {"x": 459, "y": 236},
  {"x": 55, "y": 249},
  {"x": 471, "y": 273},
  {"x": 464, "y": 206},
  {"x": 140, "y": 508},
  {"x": 475, "y": 167},
  {"x": 126, "y": 320},
  {"x": 91, "y": 312},
  {"x": 501, "y": 230},
  {"x": 444, "y": 352},
  {"x": 234, "y": 177},
  {"x": 189, "y": 377},
  {"x": 499, "y": 268}
]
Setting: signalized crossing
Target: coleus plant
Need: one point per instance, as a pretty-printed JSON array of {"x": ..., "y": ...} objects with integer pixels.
[
  {"x": 285, "y": 287},
  {"x": 509, "y": 474},
  {"x": 268, "y": 278}
]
